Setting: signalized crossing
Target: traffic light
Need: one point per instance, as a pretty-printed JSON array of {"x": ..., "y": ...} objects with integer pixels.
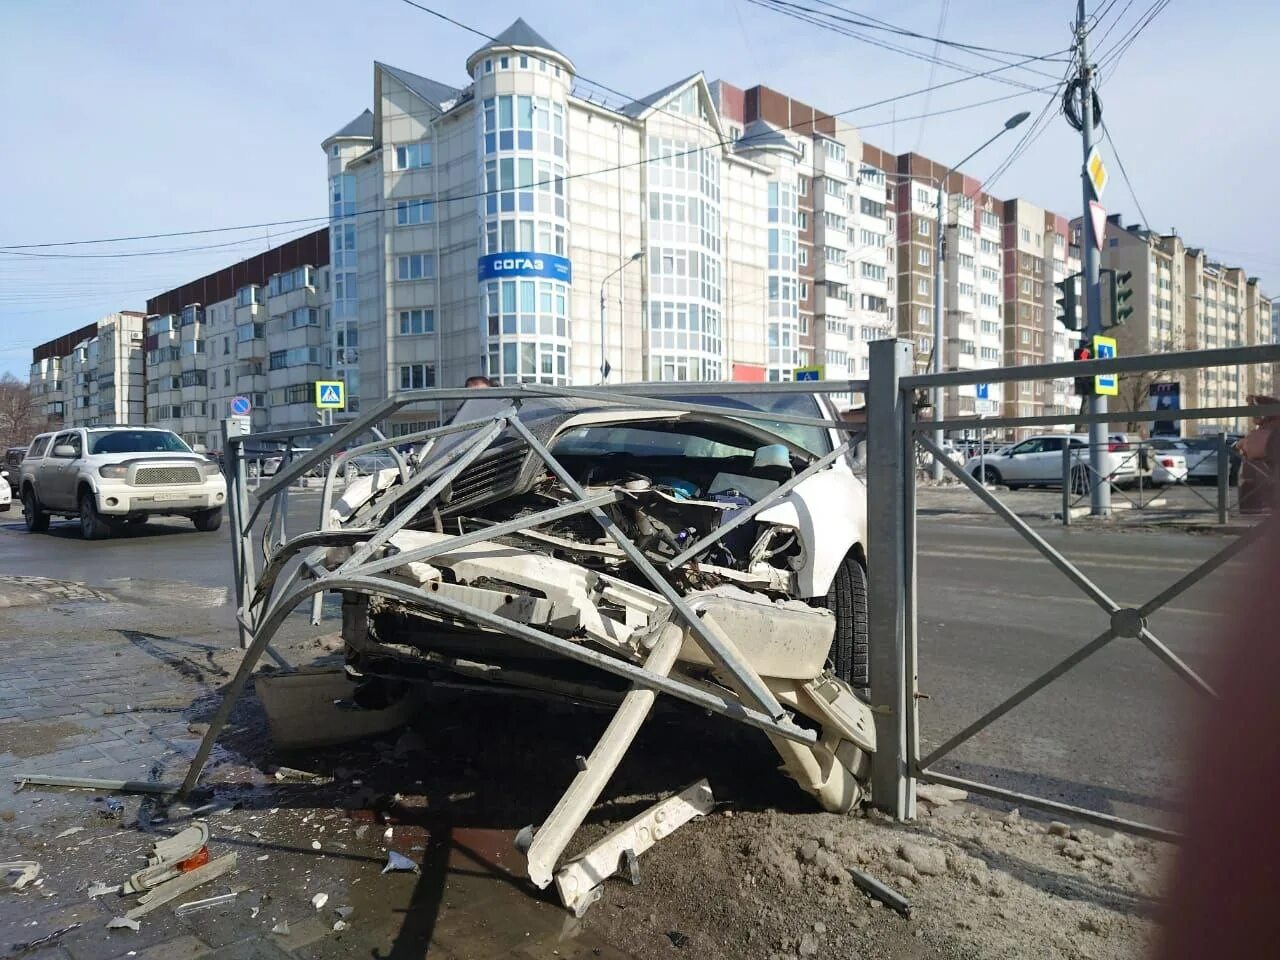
[
  {"x": 1084, "y": 385},
  {"x": 1068, "y": 303},
  {"x": 1121, "y": 294}
]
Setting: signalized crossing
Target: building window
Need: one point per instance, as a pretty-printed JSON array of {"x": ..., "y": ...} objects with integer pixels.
[
  {"x": 413, "y": 155},
  {"x": 412, "y": 212},
  {"x": 922, "y": 287},
  {"x": 804, "y": 185},
  {"x": 922, "y": 227},
  {"x": 414, "y": 322},
  {"x": 415, "y": 266},
  {"x": 417, "y": 376},
  {"x": 803, "y": 218},
  {"x": 923, "y": 257}
]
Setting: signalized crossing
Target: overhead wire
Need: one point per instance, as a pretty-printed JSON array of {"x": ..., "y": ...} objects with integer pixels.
[
  {"x": 1122, "y": 45},
  {"x": 809, "y": 123},
  {"x": 1124, "y": 174},
  {"x": 944, "y": 6},
  {"x": 827, "y": 22}
]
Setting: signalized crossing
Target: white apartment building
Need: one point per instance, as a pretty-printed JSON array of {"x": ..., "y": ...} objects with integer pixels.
[
  {"x": 477, "y": 229},
  {"x": 261, "y": 328},
  {"x": 93, "y": 376}
]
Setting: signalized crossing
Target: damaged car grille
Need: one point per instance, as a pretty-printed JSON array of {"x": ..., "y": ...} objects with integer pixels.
[{"x": 488, "y": 478}]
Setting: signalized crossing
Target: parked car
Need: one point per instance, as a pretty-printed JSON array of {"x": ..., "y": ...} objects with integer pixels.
[
  {"x": 1037, "y": 461},
  {"x": 6, "y": 495},
  {"x": 12, "y": 461},
  {"x": 108, "y": 476},
  {"x": 1168, "y": 465},
  {"x": 1201, "y": 454}
]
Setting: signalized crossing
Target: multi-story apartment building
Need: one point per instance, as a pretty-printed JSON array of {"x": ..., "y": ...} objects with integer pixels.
[
  {"x": 260, "y": 328},
  {"x": 1185, "y": 300},
  {"x": 1038, "y": 254},
  {"x": 94, "y": 375},
  {"x": 844, "y": 228}
]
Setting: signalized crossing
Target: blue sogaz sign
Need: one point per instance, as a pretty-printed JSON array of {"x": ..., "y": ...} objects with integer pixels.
[
  {"x": 498, "y": 266},
  {"x": 983, "y": 391}
]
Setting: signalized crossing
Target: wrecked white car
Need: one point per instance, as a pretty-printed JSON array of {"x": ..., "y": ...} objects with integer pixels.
[{"x": 606, "y": 549}]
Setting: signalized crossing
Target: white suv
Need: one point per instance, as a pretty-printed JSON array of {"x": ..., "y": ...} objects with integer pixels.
[
  {"x": 1037, "y": 461},
  {"x": 106, "y": 476}
]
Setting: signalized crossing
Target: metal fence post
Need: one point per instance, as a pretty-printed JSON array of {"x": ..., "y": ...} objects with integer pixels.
[
  {"x": 889, "y": 470},
  {"x": 1224, "y": 477},
  {"x": 237, "y": 512},
  {"x": 1066, "y": 481}
]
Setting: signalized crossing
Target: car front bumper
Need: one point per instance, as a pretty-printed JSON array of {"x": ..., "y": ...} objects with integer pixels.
[{"x": 121, "y": 499}]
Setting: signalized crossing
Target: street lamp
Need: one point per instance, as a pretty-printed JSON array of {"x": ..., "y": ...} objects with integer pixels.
[
  {"x": 604, "y": 360},
  {"x": 939, "y": 252}
]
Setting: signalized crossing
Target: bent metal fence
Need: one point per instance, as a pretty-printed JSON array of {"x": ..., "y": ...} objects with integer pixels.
[
  {"x": 894, "y": 434},
  {"x": 276, "y": 569}
]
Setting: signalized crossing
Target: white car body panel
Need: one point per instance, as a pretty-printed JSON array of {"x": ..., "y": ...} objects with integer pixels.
[{"x": 829, "y": 510}]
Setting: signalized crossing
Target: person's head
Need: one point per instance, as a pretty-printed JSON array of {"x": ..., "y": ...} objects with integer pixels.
[{"x": 479, "y": 380}]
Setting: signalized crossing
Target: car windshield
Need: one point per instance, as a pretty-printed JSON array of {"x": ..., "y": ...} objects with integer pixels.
[
  {"x": 643, "y": 442},
  {"x": 814, "y": 439},
  {"x": 138, "y": 441}
]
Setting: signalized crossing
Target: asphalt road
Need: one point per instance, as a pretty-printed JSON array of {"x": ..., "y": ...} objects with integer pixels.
[{"x": 993, "y": 615}]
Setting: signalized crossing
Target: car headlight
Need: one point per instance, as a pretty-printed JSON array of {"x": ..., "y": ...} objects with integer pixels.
[
  {"x": 210, "y": 468},
  {"x": 114, "y": 471}
]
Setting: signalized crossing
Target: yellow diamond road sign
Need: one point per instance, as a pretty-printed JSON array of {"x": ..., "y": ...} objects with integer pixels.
[
  {"x": 1097, "y": 171},
  {"x": 331, "y": 394}
]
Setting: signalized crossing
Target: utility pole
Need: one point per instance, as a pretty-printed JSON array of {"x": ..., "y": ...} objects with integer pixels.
[{"x": 1099, "y": 491}]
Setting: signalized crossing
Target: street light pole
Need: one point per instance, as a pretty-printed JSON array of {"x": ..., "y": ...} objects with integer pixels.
[
  {"x": 604, "y": 359},
  {"x": 939, "y": 255}
]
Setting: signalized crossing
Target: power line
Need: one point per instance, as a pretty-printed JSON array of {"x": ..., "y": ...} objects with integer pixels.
[
  {"x": 146, "y": 253},
  {"x": 1114, "y": 23},
  {"x": 942, "y": 25},
  {"x": 808, "y": 124},
  {"x": 1121, "y": 47},
  {"x": 831, "y": 23},
  {"x": 875, "y": 23},
  {"x": 1033, "y": 133},
  {"x": 1125, "y": 175}
]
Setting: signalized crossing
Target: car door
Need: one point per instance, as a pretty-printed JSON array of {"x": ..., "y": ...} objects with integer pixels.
[
  {"x": 1019, "y": 463},
  {"x": 1046, "y": 463},
  {"x": 57, "y": 482}
]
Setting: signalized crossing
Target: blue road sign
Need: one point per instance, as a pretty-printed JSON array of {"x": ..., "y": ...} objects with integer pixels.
[
  {"x": 984, "y": 391},
  {"x": 808, "y": 373},
  {"x": 240, "y": 406},
  {"x": 331, "y": 394}
]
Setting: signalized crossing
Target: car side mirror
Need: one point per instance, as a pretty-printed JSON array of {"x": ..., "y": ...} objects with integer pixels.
[
  {"x": 64, "y": 450},
  {"x": 200, "y": 448}
]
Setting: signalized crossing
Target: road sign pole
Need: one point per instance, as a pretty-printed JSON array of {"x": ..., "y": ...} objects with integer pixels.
[{"x": 1100, "y": 492}]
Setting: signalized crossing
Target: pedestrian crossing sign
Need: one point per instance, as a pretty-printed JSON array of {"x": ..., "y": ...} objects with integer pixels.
[{"x": 331, "y": 395}]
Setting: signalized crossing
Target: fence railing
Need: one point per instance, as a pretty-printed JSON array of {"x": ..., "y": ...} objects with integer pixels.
[{"x": 894, "y": 435}]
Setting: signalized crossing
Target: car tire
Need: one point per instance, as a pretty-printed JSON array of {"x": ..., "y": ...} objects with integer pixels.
[
  {"x": 850, "y": 653},
  {"x": 988, "y": 475},
  {"x": 92, "y": 525},
  {"x": 36, "y": 519},
  {"x": 207, "y": 521}
]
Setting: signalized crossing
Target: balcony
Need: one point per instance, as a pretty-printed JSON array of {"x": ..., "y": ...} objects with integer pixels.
[
  {"x": 255, "y": 349},
  {"x": 251, "y": 383}
]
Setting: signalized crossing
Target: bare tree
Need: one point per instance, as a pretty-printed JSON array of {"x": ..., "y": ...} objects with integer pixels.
[
  {"x": 1135, "y": 388},
  {"x": 20, "y": 416}
]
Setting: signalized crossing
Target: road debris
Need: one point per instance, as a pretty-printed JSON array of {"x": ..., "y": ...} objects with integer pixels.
[
  {"x": 882, "y": 892},
  {"x": 172, "y": 889},
  {"x": 113, "y": 809},
  {"x": 340, "y": 925},
  {"x": 319, "y": 900},
  {"x": 123, "y": 923},
  {"x": 171, "y": 857},
  {"x": 398, "y": 861},
  {"x": 281, "y": 929},
  {"x": 46, "y": 939},
  {"x": 193, "y": 906},
  {"x": 301, "y": 776},
  {"x": 94, "y": 783},
  {"x": 98, "y": 889},
  {"x": 69, "y": 832},
  {"x": 27, "y": 871}
]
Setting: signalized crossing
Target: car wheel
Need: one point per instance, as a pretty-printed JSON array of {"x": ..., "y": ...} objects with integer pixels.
[
  {"x": 92, "y": 526},
  {"x": 36, "y": 519},
  {"x": 987, "y": 475},
  {"x": 847, "y": 599},
  {"x": 207, "y": 521}
]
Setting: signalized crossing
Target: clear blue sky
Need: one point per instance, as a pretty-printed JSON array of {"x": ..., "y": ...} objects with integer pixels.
[{"x": 142, "y": 116}]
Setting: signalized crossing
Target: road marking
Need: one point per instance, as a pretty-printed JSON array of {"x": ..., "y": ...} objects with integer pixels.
[
  {"x": 1080, "y": 598},
  {"x": 1110, "y": 560}
]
